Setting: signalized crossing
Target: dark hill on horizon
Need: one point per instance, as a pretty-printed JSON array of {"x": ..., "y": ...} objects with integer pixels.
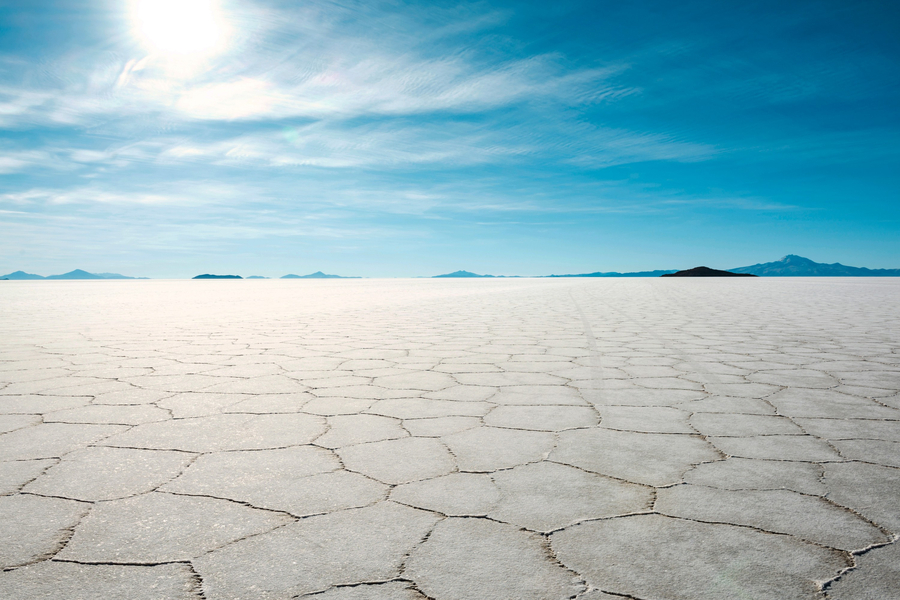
[
  {"x": 707, "y": 272},
  {"x": 798, "y": 266},
  {"x": 210, "y": 276},
  {"x": 317, "y": 275}
]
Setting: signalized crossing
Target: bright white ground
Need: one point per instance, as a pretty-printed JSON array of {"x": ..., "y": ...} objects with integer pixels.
[{"x": 450, "y": 439}]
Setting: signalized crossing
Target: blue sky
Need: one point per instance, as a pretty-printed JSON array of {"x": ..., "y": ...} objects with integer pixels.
[{"x": 393, "y": 139}]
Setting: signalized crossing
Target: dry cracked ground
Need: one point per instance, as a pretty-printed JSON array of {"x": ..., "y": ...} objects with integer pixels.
[{"x": 454, "y": 440}]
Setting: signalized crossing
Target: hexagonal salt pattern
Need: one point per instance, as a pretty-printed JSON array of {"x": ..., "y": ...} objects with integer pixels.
[
  {"x": 477, "y": 558},
  {"x": 687, "y": 560},
  {"x": 451, "y": 440}
]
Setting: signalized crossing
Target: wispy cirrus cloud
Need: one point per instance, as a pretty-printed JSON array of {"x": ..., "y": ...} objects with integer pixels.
[
  {"x": 178, "y": 194},
  {"x": 344, "y": 87},
  {"x": 448, "y": 144}
]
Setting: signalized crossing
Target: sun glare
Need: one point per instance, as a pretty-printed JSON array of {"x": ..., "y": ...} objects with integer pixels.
[{"x": 180, "y": 27}]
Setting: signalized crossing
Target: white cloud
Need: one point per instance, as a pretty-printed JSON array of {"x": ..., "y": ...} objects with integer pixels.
[
  {"x": 22, "y": 160},
  {"x": 344, "y": 87}
]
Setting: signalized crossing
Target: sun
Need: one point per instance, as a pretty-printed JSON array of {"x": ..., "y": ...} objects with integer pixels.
[{"x": 187, "y": 28}]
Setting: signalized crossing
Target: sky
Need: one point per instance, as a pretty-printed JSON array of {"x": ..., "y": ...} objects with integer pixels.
[{"x": 167, "y": 138}]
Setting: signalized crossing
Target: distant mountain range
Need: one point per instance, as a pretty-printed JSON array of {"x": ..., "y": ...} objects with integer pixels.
[
  {"x": 76, "y": 274},
  {"x": 317, "y": 275},
  {"x": 797, "y": 266},
  {"x": 789, "y": 266},
  {"x": 467, "y": 274}
]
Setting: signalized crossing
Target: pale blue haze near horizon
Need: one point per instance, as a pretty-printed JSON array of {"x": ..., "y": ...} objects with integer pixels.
[{"x": 388, "y": 139}]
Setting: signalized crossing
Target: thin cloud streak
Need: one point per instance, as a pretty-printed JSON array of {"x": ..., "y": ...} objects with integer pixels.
[{"x": 377, "y": 85}]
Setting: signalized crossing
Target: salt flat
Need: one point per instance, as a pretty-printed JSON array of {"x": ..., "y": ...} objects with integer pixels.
[{"x": 450, "y": 439}]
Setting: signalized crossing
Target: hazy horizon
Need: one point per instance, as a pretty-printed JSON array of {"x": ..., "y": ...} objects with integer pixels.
[
  {"x": 787, "y": 266},
  {"x": 169, "y": 139}
]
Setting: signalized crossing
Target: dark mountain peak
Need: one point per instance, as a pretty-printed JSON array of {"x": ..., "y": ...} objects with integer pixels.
[
  {"x": 210, "y": 276},
  {"x": 797, "y": 260},
  {"x": 706, "y": 272},
  {"x": 460, "y": 274}
]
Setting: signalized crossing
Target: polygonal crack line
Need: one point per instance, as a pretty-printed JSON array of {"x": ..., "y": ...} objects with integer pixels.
[
  {"x": 96, "y": 445},
  {"x": 595, "y": 473},
  {"x": 19, "y": 488},
  {"x": 181, "y": 472},
  {"x": 877, "y": 400},
  {"x": 803, "y": 429},
  {"x": 124, "y": 563},
  {"x": 62, "y": 542},
  {"x": 824, "y": 497},
  {"x": 550, "y": 554},
  {"x": 40, "y": 421},
  {"x": 391, "y": 485},
  {"x": 824, "y": 586},
  {"x": 883, "y": 529},
  {"x": 294, "y": 518},
  {"x": 374, "y": 582},
  {"x": 196, "y": 581},
  {"x": 701, "y": 436},
  {"x": 858, "y": 439},
  {"x": 404, "y": 428},
  {"x": 328, "y": 427},
  {"x": 89, "y": 502},
  {"x": 876, "y": 420},
  {"x": 863, "y": 461},
  {"x": 611, "y": 593},
  {"x": 845, "y": 553},
  {"x": 401, "y": 570},
  {"x": 452, "y": 455},
  {"x": 441, "y": 514}
]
